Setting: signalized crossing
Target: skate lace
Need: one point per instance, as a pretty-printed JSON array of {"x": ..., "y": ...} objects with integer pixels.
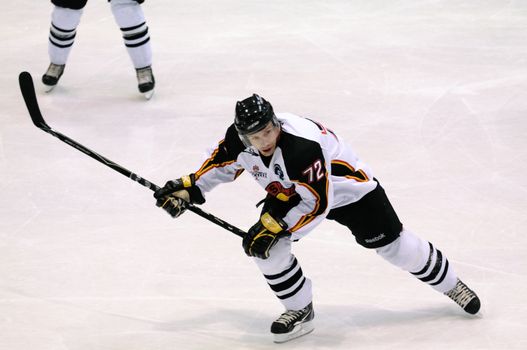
[
  {"x": 461, "y": 294},
  {"x": 290, "y": 316},
  {"x": 54, "y": 70},
  {"x": 144, "y": 75}
]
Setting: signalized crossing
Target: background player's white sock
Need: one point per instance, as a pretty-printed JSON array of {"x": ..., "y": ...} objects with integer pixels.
[
  {"x": 130, "y": 17},
  {"x": 62, "y": 33}
]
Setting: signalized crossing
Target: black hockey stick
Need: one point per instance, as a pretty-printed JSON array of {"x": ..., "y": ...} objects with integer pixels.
[{"x": 28, "y": 92}]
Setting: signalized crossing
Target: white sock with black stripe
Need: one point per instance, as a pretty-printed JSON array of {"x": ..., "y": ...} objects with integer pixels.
[
  {"x": 130, "y": 18},
  {"x": 62, "y": 33},
  {"x": 421, "y": 259},
  {"x": 289, "y": 285},
  {"x": 285, "y": 277}
]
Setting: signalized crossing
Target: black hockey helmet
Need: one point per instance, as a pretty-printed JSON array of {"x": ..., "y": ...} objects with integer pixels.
[{"x": 253, "y": 114}]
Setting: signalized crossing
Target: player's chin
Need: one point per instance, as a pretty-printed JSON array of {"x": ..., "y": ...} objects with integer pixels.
[{"x": 267, "y": 151}]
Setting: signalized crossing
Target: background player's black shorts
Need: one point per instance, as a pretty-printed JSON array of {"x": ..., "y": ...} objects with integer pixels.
[
  {"x": 70, "y": 4},
  {"x": 77, "y": 4},
  {"x": 372, "y": 220}
]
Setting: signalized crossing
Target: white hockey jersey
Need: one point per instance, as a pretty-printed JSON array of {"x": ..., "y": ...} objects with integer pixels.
[{"x": 311, "y": 168}]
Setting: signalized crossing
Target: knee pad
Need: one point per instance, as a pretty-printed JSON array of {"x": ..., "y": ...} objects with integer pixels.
[
  {"x": 114, "y": 3},
  {"x": 280, "y": 257},
  {"x": 65, "y": 19},
  {"x": 128, "y": 15},
  {"x": 408, "y": 252}
]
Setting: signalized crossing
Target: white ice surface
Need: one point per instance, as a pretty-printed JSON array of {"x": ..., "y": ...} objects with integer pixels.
[{"x": 432, "y": 94}]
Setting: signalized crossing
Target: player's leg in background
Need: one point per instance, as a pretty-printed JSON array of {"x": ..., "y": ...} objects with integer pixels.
[
  {"x": 65, "y": 18},
  {"x": 130, "y": 18}
]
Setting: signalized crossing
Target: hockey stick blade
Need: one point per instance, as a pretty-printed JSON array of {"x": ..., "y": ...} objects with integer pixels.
[{"x": 28, "y": 92}]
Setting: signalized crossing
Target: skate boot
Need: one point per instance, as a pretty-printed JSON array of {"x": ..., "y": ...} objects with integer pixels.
[
  {"x": 464, "y": 297},
  {"x": 52, "y": 75},
  {"x": 293, "y": 324},
  {"x": 145, "y": 81}
]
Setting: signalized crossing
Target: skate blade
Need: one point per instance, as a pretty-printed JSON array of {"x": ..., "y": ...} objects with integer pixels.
[
  {"x": 148, "y": 95},
  {"x": 48, "y": 88},
  {"x": 298, "y": 331}
]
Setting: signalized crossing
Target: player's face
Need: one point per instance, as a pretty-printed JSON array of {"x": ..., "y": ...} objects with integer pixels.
[{"x": 265, "y": 140}]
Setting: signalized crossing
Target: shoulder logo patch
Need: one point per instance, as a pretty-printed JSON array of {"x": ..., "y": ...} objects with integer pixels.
[{"x": 278, "y": 171}]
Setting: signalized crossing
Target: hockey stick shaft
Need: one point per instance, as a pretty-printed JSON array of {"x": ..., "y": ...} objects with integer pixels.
[{"x": 28, "y": 92}]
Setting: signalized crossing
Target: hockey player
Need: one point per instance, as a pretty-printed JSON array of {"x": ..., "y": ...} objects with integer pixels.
[
  {"x": 129, "y": 16},
  {"x": 310, "y": 174}
]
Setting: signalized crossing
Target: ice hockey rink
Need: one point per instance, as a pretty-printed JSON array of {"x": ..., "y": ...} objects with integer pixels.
[{"x": 432, "y": 95}]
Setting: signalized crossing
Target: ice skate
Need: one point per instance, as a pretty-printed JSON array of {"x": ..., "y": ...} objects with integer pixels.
[
  {"x": 293, "y": 324},
  {"x": 464, "y": 297},
  {"x": 52, "y": 76},
  {"x": 145, "y": 81}
]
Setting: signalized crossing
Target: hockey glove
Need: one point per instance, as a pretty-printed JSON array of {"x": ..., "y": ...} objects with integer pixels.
[
  {"x": 176, "y": 194},
  {"x": 173, "y": 205},
  {"x": 263, "y": 235}
]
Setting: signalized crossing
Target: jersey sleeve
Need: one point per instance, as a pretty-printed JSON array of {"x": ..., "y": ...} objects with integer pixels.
[
  {"x": 220, "y": 165},
  {"x": 308, "y": 169}
]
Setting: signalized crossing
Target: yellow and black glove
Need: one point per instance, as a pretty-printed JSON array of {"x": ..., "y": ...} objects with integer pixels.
[
  {"x": 263, "y": 235},
  {"x": 176, "y": 194}
]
